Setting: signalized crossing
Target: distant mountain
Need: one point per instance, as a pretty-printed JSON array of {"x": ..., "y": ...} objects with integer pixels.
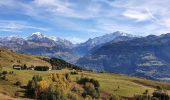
[
  {"x": 40, "y": 39},
  {"x": 38, "y": 44},
  {"x": 83, "y": 48},
  {"x": 147, "y": 57}
]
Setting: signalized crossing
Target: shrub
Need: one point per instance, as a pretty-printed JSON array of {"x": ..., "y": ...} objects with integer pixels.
[
  {"x": 52, "y": 95},
  {"x": 32, "y": 85},
  {"x": 83, "y": 80},
  {"x": 3, "y": 77},
  {"x": 91, "y": 87},
  {"x": 37, "y": 78},
  {"x": 11, "y": 72},
  {"x": 18, "y": 83},
  {"x": 73, "y": 73},
  {"x": 88, "y": 97},
  {"x": 61, "y": 81},
  {"x": 24, "y": 67},
  {"x": 90, "y": 90},
  {"x": 158, "y": 88},
  {"x": 77, "y": 89},
  {"x": 161, "y": 95},
  {"x": 146, "y": 92},
  {"x": 157, "y": 95},
  {"x": 113, "y": 97},
  {"x": 43, "y": 85},
  {"x": 143, "y": 97},
  {"x": 4, "y": 72},
  {"x": 72, "y": 96},
  {"x": 93, "y": 81}
]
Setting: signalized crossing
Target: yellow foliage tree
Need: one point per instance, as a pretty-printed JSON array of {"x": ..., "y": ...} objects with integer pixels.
[
  {"x": 43, "y": 85},
  {"x": 60, "y": 81}
]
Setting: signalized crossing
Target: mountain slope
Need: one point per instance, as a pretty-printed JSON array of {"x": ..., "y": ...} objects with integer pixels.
[
  {"x": 8, "y": 58},
  {"x": 83, "y": 48},
  {"x": 146, "y": 57},
  {"x": 109, "y": 83},
  {"x": 38, "y": 44}
]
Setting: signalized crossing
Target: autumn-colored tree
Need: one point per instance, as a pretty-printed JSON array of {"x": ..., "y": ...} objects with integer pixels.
[
  {"x": 43, "y": 85},
  {"x": 60, "y": 81}
]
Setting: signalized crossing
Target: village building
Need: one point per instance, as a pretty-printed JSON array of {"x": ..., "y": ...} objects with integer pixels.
[{"x": 18, "y": 67}]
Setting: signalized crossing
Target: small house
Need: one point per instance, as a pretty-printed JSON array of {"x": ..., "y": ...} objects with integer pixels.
[
  {"x": 18, "y": 67},
  {"x": 41, "y": 68}
]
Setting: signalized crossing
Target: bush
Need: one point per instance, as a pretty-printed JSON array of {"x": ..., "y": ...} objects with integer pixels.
[
  {"x": 77, "y": 89},
  {"x": 32, "y": 85},
  {"x": 144, "y": 97},
  {"x": 24, "y": 67},
  {"x": 3, "y": 77},
  {"x": 11, "y": 72},
  {"x": 158, "y": 88},
  {"x": 83, "y": 80},
  {"x": 113, "y": 97},
  {"x": 91, "y": 87},
  {"x": 161, "y": 95},
  {"x": 37, "y": 78},
  {"x": 72, "y": 96},
  {"x": 93, "y": 81},
  {"x": 90, "y": 90},
  {"x": 88, "y": 97},
  {"x": 4, "y": 72},
  {"x": 73, "y": 73},
  {"x": 18, "y": 83},
  {"x": 146, "y": 92},
  {"x": 61, "y": 81},
  {"x": 52, "y": 94},
  {"x": 157, "y": 95}
]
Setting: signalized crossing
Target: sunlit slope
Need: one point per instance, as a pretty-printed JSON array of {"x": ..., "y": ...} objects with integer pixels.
[
  {"x": 8, "y": 58},
  {"x": 109, "y": 83}
]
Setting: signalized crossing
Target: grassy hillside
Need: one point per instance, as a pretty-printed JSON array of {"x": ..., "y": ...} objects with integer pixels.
[
  {"x": 8, "y": 58},
  {"x": 116, "y": 84},
  {"x": 109, "y": 83},
  {"x": 57, "y": 63}
]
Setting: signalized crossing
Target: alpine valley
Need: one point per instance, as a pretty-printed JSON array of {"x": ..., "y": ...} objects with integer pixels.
[{"x": 117, "y": 52}]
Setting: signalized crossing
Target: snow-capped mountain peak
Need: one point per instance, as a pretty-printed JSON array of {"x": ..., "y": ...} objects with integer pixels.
[{"x": 37, "y": 35}]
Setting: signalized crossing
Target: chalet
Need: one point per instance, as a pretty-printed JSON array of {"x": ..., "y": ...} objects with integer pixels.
[
  {"x": 41, "y": 68},
  {"x": 18, "y": 67},
  {"x": 38, "y": 68}
]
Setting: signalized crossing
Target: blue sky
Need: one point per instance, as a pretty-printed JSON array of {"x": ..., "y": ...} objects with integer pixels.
[{"x": 78, "y": 20}]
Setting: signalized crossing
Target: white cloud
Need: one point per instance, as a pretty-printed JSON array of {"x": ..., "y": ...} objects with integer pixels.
[
  {"x": 17, "y": 26},
  {"x": 138, "y": 15},
  {"x": 143, "y": 16}
]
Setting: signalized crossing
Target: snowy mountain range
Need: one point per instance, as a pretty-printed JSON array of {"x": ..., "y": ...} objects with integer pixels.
[
  {"x": 39, "y": 44},
  {"x": 51, "y": 46},
  {"x": 83, "y": 48},
  {"x": 113, "y": 52}
]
